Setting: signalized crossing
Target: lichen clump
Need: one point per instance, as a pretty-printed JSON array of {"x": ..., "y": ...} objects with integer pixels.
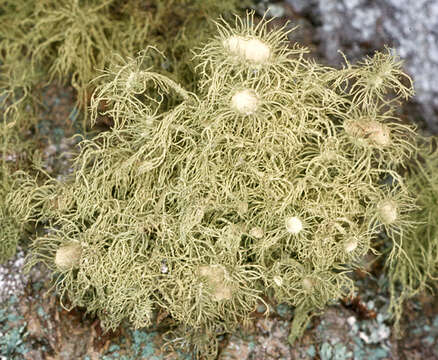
[
  {"x": 198, "y": 204},
  {"x": 417, "y": 266},
  {"x": 71, "y": 41},
  {"x": 11, "y": 149},
  {"x": 47, "y": 43}
]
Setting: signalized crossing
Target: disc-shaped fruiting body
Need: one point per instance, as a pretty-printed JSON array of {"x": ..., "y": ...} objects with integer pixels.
[
  {"x": 368, "y": 132},
  {"x": 387, "y": 211},
  {"x": 351, "y": 245},
  {"x": 308, "y": 284},
  {"x": 245, "y": 102},
  {"x": 68, "y": 257},
  {"x": 256, "y": 232},
  {"x": 248, "y": 49},
  {"x": 244, "y": 51},
  {"x": 216, "y": 277},
  {"x": 293, "y": 225}
]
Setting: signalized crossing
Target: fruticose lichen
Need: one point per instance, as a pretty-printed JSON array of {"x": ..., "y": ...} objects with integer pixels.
[
  {"x": 270, "y": 179},
  {"x": 417, "y": 264},
  {"x": 70, "y": 42},
  {"x": 11, "y": 149}
]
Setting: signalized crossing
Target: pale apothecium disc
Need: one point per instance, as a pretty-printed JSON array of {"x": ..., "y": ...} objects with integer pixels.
[
  {"x": 388, "y": 212},
  {"x": 253, "y": 50},
  {"x": 293, "y": 225},
  {"x": 245, "y": 102},
  {"x": 68, "y": 256},
  {"x": 351, "y": 245}
]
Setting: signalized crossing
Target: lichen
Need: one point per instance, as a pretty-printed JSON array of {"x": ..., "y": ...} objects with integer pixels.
[
  {"x": 198, "y": 203},
  {"x": 417, "y": 266}
]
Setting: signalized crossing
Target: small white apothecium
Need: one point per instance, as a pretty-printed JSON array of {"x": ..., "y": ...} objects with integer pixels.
[
  {"x": 253, "y": 50},
  {"x": 257, "y": 51},
  {"x": 293, "y": 225},
  {"x": 245, "y": 102},
  {"x": 387, "y": 211},
  {"x": 68, "y": 256},
  {"x": 378, "y": 133},
  {"x": 307, "y": 284},
  {"x": 369, "y": 132},
  {"x": 215, "y": 276},
  {"x": 278, "y": 280},
  {"x": 351, "y": 245},
  {"x": 256, "y": 232}
]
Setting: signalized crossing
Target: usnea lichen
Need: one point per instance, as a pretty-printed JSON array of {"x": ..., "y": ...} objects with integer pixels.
[
  {"x": 269, "y": 180},
  {"x": 10, "y": 230},
  {"x": 70, "y": 42},
  {"x": 14, "y": 106},
  {"x": 417, "y": 264}
]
